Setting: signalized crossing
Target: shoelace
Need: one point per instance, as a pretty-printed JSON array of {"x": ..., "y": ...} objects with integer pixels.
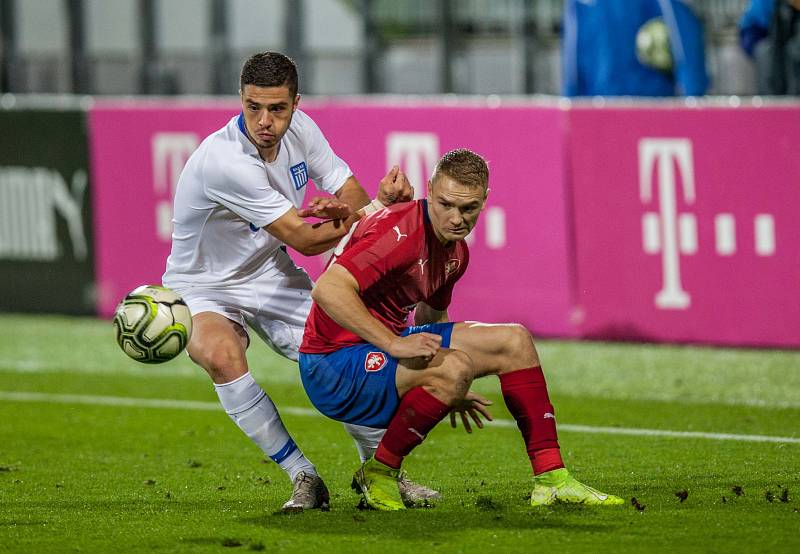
[
  {"x": 307, "y": 478},
  {"x": 298, "y": 491}
]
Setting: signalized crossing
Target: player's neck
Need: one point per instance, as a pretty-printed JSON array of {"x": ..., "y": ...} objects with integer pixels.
[{"x": 270, "y": 154}]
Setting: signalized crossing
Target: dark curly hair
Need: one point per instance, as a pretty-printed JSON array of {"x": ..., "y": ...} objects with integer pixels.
[{"x": 269, "y": 69}]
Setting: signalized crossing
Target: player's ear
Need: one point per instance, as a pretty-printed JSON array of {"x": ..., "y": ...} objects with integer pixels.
[
  {"x": 430, "y": 188},
  {"x": 296, "y": 102},
  {"x": 485, "y": 197}
]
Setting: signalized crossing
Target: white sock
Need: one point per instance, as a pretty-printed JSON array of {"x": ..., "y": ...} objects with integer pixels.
[
  {"x": 254, "y": 413},
  {"x": 367, "y": 439}
]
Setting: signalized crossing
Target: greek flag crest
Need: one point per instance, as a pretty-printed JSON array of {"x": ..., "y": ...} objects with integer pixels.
[{"x": 299, "y": 175}]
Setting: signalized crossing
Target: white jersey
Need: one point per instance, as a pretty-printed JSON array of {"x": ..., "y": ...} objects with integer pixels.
[{"x": 227, "y": 193}]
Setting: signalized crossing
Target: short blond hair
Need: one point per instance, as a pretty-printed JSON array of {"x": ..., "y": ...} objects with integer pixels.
[{"x": 463, "y": 166}]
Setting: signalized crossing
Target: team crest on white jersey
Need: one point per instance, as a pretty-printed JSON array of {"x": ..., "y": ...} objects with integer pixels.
[
  {"x": 299, "y": 175},
  {"x": 375, "y": 361},
  {"x": 451, "y": 267}
]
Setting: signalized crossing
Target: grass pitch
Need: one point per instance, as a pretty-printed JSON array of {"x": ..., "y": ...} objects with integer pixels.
[{"x": 99, "y": 453}]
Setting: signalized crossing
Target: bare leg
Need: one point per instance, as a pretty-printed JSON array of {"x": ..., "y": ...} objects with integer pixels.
[{"x": 218, "y": 346}]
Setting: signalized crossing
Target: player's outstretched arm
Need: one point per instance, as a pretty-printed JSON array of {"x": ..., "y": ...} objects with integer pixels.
[
  {"x": 336, "y": 292},
  {"x": 394, "y": 187},
  {"x": 325, "y": 207},
  {"x": 353, "y": 194},
  {"x": 313, "y": 238}
]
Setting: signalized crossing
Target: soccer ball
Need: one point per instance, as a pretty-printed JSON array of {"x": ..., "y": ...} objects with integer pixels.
[
  {"x": 652, "y": 45},
  {"x": 152, "y": 324}
]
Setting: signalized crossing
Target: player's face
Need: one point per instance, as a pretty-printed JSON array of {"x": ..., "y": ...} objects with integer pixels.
[
  {"x": 453, "y": 208},
  {"x": 267, "y": 114}
]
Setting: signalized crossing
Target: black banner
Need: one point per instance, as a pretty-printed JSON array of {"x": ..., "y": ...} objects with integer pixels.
[{"x": 46, "y": 251}]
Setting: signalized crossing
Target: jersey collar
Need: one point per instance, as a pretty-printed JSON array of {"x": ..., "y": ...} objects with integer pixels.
[
  {"x": 250, "y": 148},
  {"x": 424, "y": 203},
  {"x": 248, "y": 144},
  {"x": 240, "y": 123}
]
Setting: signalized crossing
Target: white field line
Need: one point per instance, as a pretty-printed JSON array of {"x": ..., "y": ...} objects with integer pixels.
[
  {"x": 121, "y": 401},
  {"x": 191, "y": 371}
]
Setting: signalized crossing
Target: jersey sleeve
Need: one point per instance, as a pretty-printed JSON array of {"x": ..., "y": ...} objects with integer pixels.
[
  {"x": 378, "y": 252},
  {"x": 328, "y": 171},
  {"x": 238, "y": 182},
  {"x": 440, "y": 300}
]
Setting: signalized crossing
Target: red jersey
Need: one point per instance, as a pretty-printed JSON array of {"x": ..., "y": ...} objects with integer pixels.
[{"x": 397, "y": 260}]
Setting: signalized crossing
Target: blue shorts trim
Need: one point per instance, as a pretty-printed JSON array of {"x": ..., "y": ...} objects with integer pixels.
[{"x": 357, "y": 384}]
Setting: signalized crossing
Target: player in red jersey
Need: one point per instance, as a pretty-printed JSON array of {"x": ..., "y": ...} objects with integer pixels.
[{"x": 360, "y": 362}]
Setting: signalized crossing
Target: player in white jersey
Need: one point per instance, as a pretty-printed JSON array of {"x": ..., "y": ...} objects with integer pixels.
[{"x": 237, "y": 204}]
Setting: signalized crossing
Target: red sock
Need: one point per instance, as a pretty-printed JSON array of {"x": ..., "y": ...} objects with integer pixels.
[
  {"x": 418, "y": 413},
  {"x": 525, "y": 393}
]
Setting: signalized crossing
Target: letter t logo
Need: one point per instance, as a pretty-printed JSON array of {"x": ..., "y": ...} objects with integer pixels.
[{"x": 667, "y": 231}]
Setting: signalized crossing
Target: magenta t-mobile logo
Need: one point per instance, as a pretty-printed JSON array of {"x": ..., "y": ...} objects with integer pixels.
[{"x": 672, "y": 232}]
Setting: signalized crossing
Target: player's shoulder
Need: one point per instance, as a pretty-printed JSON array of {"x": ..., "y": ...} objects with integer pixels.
[
  {"x": 303, "y": 127},
  {"x": 225, "y": 150},
  {"x": 406, "y": 212},
  {"x": 302, "y": 119},
  {"x": 225, "y": 141},
  {"x": 384, "y": 220},
  {"x": 404, "y": 209}
]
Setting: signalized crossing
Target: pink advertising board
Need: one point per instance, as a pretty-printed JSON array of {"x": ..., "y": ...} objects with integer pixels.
[
  {"x": 137, "y": 151},
  {"x": 686, "y": 224},
  {"x": 520, "y": 262}
]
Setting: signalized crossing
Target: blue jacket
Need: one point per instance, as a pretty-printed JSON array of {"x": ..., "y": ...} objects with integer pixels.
[
  {"x": 754, "y": 24},
  {"x": 599, "y": 49}
]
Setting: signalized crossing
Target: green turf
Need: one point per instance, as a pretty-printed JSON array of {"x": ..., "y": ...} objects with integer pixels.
[{"x": 84, "y": 477}]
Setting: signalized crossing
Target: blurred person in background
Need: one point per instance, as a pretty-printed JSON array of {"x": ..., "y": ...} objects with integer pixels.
[
  {"x": 632, "y": 48},
  {"x": 769, "y": 32}
]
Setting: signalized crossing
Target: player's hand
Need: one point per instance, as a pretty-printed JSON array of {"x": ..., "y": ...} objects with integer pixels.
[
  {"x": 475, "y": 405},
  {"x": 394, "y": 187},
  {"x": 419, "y": 345},
  {"x": 326, "y": 208}
]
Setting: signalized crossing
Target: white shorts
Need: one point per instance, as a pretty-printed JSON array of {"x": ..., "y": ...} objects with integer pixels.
[{"x": 275, "y": 304}]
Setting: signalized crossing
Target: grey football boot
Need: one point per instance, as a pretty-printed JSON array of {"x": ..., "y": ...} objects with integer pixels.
[
  {"x": 309, "y": 493},
  {"x": 414, "y": 494}
]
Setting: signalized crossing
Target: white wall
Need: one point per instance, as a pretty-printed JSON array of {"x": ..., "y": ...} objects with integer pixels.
[
  {"x": 112, "y": 27},
  {"x": 41, "y": 27},
  {"x": 332, "y": 25},
  {"x": 183, "y": 25},
  {"x": 256, "y": 25}
]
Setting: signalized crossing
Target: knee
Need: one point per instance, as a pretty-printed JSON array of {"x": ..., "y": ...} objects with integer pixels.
[
  {"x": 454, "y": 378},
  {"x": 459, "y": 368},
  {"x": 222, "y": 361},
  {"x": 519, "y": 344}
]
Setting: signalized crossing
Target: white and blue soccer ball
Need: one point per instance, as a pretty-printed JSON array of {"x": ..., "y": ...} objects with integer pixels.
[
  {"x": 152, "y": 324},
  {"x": 652, "y": 45}
]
